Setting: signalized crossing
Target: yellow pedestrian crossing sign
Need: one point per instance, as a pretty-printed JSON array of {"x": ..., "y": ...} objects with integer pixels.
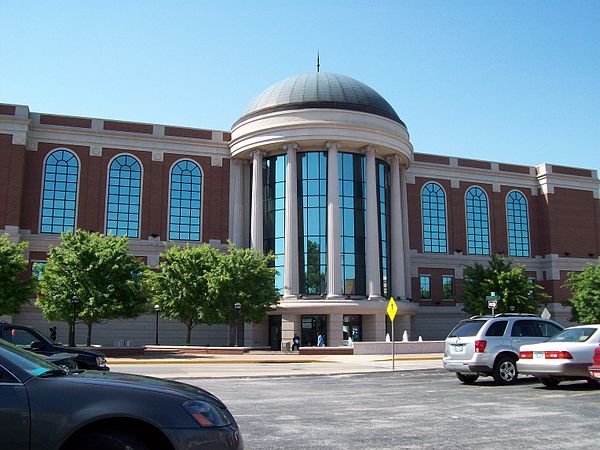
[{"x": 392, "y": 308}]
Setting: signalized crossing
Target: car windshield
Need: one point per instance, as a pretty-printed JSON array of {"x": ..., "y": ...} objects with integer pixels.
[
  {"x": 574, "y": 335},
  {"x": 467, "y": 328},
  {"x": 28, "y": 361}
]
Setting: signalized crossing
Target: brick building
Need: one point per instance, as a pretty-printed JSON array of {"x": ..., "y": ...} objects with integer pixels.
[{"x": 351, "y": 212}]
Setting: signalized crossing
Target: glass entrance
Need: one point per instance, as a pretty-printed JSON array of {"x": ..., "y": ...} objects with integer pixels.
[
  {"x": 352, "y": 327},
  {"x": 312, "y": 326},
  {"x": 275, "y": 332}
]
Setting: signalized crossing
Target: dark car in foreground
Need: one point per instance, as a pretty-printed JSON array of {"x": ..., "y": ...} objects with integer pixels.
[
  {"x": 33, "y": 340},
  {"x": 45, "y": 407}
]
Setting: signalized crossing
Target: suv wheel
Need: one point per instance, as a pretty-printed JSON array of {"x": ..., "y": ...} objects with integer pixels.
[
  {"x": 505, "y": 370},
  {"x": 466, "y": 378},
  {"x": 549, "y": 382}
]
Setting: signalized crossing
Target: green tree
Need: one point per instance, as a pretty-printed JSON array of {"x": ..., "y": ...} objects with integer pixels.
[
  {"x": 585, "y": 294},
  {"x": 109, "y": 282},
  {"x": 248, "y": 278},
  {"x": 517, "y": 293},
  {"x": 184, "y": 287},
  {"x": 15, "y": 289}
]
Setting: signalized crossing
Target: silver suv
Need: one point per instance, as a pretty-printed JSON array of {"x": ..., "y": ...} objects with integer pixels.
[{"x": 489, "y": 345}]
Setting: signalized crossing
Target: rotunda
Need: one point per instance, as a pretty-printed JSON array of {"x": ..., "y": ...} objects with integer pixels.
[{"x": 318, "y": 161}]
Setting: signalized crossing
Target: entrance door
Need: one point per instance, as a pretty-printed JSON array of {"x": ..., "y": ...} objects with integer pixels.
[
  {"x": 312, "y": 326},
  {"x": 275, "y": 332},
  {"x": 352, "y": 327}
]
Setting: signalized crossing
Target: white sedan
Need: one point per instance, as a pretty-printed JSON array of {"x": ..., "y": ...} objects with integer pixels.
[{"x": 565, "y": 356}]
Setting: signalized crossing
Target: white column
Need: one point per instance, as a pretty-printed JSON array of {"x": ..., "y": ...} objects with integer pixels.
[
  {"x": 334, "y": 256},
  {"x": 396, "y": 217},
  {"x": 372, "y": 228},
  {"x": 290, "y": 271},
  {"x": 256, "y": 214},
  {"x": 236, "y": 208},
  {"x": 405, "y": 240}
]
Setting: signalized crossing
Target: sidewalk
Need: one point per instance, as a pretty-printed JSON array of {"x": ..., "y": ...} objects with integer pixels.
[
  {"x": 269, "y": 358},
  {"x": 270, "y": 364}
]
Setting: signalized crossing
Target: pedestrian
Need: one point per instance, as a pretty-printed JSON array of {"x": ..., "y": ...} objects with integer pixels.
[
  {"x": 53, "y": 333},
  {"x": 296, "y": 342},
  {"x": 320, "y": 340}
]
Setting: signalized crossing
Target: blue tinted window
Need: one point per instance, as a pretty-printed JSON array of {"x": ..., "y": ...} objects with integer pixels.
[
  {"x": 186, "y": 198},
  {"x": 478, "y": 239},
  {"x": 312, "y": 222},
  {"x": 124, "y": 197},
  {"x": 59, "y": 196},
  {"x": 433, "y": 201},
  {"x": 425, "y": 283},
  {"x": 274, "y": 212},
  {"x": 518, "y": 226},
  {"x": 383, "y": 203},
  {"x": 352, "y": 197}
]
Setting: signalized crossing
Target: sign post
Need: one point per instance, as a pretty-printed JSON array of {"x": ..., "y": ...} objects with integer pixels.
[
  {"x": 492, "y": 301},
  {"x": 392, "y": 308}
]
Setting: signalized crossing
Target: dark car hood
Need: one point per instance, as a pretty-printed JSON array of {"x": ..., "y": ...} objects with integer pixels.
[
  {"x": 77, "y": 351},
  {"x": 143, "y": 383}
]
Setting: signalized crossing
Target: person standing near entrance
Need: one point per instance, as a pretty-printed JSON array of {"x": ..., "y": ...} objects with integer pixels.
[
  {"x": 296, "y": 342},
  {"x": 320, "y": 340}
]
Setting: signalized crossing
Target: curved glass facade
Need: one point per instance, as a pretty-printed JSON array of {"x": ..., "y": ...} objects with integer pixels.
[
  {"x": 185, "y": 201},
  {"x": 124, "y": 197},
  {"x": 383, "y": 210},
  {"x": 517, "y": 224},
  {"x": 59, "y": 196},
  {"x": 312, "y": 222},
  {"x": 433, "y": 203},
  {"x": 274, "y": 212},
  {"x": 352, "y": 198},
  {"x": 478, "y": 227}
]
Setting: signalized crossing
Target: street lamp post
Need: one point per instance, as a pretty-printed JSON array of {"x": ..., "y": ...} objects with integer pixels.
[
  {"x": 238, "y": 308},
  {"x": 74, "y": 301},
  {"x": 157, "y": 309}
]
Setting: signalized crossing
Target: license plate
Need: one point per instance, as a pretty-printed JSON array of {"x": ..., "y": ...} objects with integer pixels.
[
  {"x": 460, "y": 348},
  {"x": 538, "y": 355}
]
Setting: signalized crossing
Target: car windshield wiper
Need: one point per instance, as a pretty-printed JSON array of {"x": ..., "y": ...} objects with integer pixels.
[{"x": 53, "y": 373}]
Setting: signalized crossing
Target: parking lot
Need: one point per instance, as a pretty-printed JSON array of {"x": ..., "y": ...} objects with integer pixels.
[{"x": 408, "y": 409}]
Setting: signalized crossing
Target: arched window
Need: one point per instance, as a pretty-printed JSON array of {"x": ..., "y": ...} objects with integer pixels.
[
  {"x": 59, "y": 197},
  {"x": 433, "y": 201},
  {"x": 185, "y": 201},
  {"x": 124, "y": 194},
  {"x": 517, "y": 224},
  {"x": 478, "y": 229}
]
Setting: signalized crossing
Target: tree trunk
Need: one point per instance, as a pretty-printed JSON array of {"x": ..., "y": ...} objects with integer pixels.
[
  {"x": 189, "y": 325},
  {"x": 71, "y": 337},
  {"x": 88, "y": 341}
]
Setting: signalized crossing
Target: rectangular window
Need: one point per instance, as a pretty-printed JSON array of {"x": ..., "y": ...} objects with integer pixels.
[
  {"x": 425, "y": 287},
  {"x": 447, "y": 287}
]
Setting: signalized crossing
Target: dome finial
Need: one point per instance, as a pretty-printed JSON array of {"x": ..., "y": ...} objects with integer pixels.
[{"x": 318, "y": 63}]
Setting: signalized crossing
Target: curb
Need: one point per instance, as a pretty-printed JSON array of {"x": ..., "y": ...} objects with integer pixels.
[{"x": 259, "y": 361}]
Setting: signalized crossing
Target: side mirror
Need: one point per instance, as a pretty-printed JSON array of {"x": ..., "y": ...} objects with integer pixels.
[{"x": 37, "y": 345}]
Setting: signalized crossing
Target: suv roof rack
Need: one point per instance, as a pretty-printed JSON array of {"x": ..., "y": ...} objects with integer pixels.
[
  {"x": 516, "y": 314},
  {"x": 480, "y": 317}
]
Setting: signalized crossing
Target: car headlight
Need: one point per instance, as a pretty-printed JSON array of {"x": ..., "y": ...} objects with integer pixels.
[
  {"x": 100, "y": 361},
  {"x": 206, "y": 414}
]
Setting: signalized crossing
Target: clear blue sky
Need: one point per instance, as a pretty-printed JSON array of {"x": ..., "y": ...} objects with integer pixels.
[{"x": 514, "y": 81}]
